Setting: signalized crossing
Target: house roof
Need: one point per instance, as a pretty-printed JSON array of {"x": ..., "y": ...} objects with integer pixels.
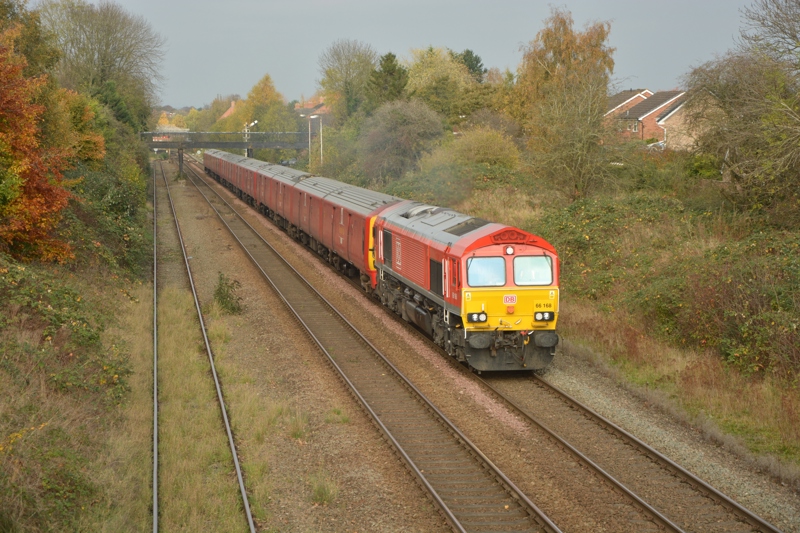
[
  {"x": 621, "y": 97},
  {"x": 655, "y": 102},
  {"x": 228, "y": 113},
  {"x": 671, "y": 109}
]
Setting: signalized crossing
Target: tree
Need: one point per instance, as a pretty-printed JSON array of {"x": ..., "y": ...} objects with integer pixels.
[
  {"x": 561, "y": 94},
  {"x": 31, "y": 195},
  {"x": 772, "y": 27},
  {"x": 103, "y": 43},
  {"x": 395, "y": 137},
  {"x": 34, "y": 42},
  {"x": 386, "y": 83},
  {"x": 473, "y": 62},
  {"x": 346, "y": 67},
  {"x": 439, "y": 80},
  {"x": 745, "y": 110},
  {"x": 163, "y": 119},
  {"x": 179, "y": 121}
]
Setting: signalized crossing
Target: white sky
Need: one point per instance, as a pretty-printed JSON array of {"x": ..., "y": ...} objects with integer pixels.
[{"x": 219, "y": 47}]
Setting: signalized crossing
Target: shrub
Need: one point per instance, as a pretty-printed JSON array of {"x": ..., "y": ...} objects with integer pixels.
[
  {"x": 225, "y": 295},
  {"x": 739, "y": 295}
]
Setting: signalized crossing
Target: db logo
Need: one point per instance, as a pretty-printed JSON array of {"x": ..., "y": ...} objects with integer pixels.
[{"x": 509, "y": 299}]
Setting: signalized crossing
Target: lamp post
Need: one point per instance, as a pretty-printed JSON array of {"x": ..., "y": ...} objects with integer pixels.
[
  {"x": 309, "y": 117},
  {"x": 320, "y": 140},
  {"x": 247, "y": 136}
]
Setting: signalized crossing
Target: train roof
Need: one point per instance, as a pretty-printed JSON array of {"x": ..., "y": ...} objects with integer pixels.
[
  {"x": 455, "y": 230},
  {"x": 354, "y": 198},
  {"x": 440, "y": 224},
  {"x": 262, "y": 167}
]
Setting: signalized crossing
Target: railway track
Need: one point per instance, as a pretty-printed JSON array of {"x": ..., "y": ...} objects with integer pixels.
[
  {"x": 470, "y": 492},
  {"x": 683, "y": 499},
  {"x": 155, "y": 351},
  {"x": 218, "y": 388}
]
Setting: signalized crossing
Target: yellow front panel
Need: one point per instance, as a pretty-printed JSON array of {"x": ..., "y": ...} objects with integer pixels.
[{"x": 510, "y": 309}]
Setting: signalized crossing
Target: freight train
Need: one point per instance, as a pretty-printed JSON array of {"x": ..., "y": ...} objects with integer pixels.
[{"x": 486, "y": 293}]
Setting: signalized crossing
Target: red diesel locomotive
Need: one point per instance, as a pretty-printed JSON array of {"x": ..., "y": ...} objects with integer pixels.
[{"x": 485, "y": 292}]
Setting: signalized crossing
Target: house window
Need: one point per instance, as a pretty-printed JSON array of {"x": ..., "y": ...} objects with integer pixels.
[{"x": 635, "y": 126}]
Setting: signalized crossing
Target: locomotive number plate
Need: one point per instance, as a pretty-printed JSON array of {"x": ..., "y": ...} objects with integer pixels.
[{"x": 509, "y": 299}]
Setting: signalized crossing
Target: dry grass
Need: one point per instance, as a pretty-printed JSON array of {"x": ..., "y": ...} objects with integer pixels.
[
  {"x": 507, "y": 206},
  {"x": 125, "y": 468},
  {"x": 197, "y": 481},
  {"x": 323, "y": 488},
  {"x": 754, "y": 414}
]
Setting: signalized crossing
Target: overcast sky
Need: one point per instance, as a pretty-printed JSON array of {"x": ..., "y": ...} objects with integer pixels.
[{"x": 217, "y": 47}]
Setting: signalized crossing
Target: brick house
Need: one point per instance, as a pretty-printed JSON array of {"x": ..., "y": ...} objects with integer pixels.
[{"x": 641, "y": 121}]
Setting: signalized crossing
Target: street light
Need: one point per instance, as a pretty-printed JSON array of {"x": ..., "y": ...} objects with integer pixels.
[{"x": 309, "y": 117}]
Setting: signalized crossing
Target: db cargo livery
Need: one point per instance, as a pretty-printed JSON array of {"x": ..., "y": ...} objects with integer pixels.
[{"x": 486, "y": 293}]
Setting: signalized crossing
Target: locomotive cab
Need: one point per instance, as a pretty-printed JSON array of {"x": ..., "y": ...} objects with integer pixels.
[{"x": 510, "y": 306}]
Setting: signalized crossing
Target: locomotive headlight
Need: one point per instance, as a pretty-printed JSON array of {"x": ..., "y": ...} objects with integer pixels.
[
  {"x": 546, "y": 316},
  {"x": 477, "y": 317},
  {"x": 509, "y": 250}
]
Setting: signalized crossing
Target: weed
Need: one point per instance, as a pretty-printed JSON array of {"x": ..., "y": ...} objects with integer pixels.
[
  {"x": 298, "y": 424},
  {"x": 323, "y": 488},
  {"x": 337, "y": 416},
  {"x": 225, "y": 295}
]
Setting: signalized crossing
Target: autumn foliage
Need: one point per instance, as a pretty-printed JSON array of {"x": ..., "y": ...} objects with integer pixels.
[{"x": 31, "y": 195}]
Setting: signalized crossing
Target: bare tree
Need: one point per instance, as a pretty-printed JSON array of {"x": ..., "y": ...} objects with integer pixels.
[
  {"x": 745, "y": 110},
  {"x": 772, "y": 27},
  {"x": 104, "y": 44},
  {"x": 346, "y": 67}
]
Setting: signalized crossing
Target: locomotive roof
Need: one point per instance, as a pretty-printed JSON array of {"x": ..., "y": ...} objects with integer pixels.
[
  {"x": 440, "y": 224},
  {"x": 353, "y": 198},
  {"x": 455, "y": 230}
]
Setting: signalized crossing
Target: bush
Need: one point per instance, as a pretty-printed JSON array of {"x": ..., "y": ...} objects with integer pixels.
[{"x": 651, "y": 256}]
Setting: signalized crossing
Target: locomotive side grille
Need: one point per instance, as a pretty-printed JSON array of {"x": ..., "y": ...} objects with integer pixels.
[
  {"x": 413, "y": 261},
  {"x": 387, "y": 248},
  {"x": 436, "y": 278}
]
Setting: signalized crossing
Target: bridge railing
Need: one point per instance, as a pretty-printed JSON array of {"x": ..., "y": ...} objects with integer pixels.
[{"x": 225, "y": 139}]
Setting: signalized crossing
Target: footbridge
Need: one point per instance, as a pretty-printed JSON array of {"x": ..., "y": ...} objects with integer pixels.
[{"x": 229, "y": 141}]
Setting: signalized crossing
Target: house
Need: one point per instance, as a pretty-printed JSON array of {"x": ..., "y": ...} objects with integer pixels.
[{"x": 641, "y": 121}]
